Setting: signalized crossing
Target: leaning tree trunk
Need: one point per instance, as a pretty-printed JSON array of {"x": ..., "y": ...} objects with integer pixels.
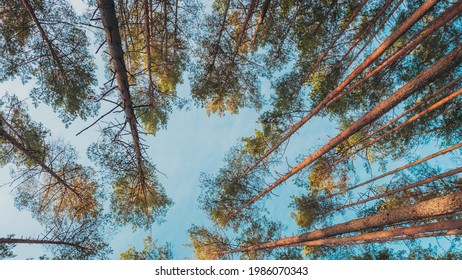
[
  {"x": 442, "y": 228},
  {"x": 219, "y": 37},
  {"x": 28, "y": 153},
  {"x": 111, "y": 28},
  {"x": 422, "y": 102},
  {"x": 54, "y": 54},
  {"x": 261, "y": 18},
  {"x": 422, "y": 210}
]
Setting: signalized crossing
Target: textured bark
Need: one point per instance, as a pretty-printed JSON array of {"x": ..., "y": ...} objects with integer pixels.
[
  {"x": 417, "y": 15},
  {"x": 370, "y": 25},
  {"x": 374, "y": 35},
  {"x": 400, "y": 189},
  {"x": 147, "y": 35},
  {"x": 166, "y": 30},
  {"x": 412, "y": 232},
  {"x": 422, "y": 210},
  {"x": 111, "y": 28},
  {"x": 437, "y": 23},
  {"x": 441, "y": 66},
  {"x": 175, "y": 31}
]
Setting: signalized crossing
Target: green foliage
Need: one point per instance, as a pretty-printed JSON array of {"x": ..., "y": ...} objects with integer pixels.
[
  {"x": 257, "y": 232},
  {"x": 156, "y": 63},
  {"x": 256, "y": 145},
  {"x": 289, "y": 254},
  {"x": 138, "y": 198},
  {"x": 150, "y": 251},
  {"x": 30, "y": 134},
  {"x": 229, "y": 189},
  {"x": 226, "y": 88},
  {"x": 307, "y": 211},
  {"x": 138, "y": 204},
  {"x": 6, "y": 250},
  {"x": 58, "y": 59},
  {"x": 208, "y": 245}
]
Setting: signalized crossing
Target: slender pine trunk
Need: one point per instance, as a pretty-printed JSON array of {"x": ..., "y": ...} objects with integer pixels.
[{"x": 111, "y": 28}]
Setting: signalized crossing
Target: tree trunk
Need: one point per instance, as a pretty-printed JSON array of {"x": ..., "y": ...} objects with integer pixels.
[
  {"x": 220, "y": 35},
  {"x": 39, "y": 241},
  {"x": 425, "y": 99},
  {"x": 264, "y": 10},
  {"x": 426, "y": 209},
  {"x": 147, "y": 35},
  {"x": 397, "y": 190},
  {"x": 111, "y": 28},
  {"x": 408, "y": 121},
  {"x": 369, "y": 26},
  {"x": 445, "y": 17},
  {"x": 441, "y": 66},
  {"x": 412, "y": 232},
  {"x": 245, "y": 25}
]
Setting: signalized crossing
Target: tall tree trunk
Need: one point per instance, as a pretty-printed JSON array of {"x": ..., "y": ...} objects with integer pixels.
[
  {"x": 147, "y": 35},
  {"x": 261, "y": 18},
  {"x": 245, "y": 24},
  {"x": 166, "y": 33},
  {"x": 416, "y": 16},
  {"x": 440, "y": 21},
  {"x": 400, "y": 189},
  {"x": 426, "y": 209},
  {"x": 40, "y": 241},
  {"x": 443, "y": 65},
  {"x": 175, "y": 31},
  {"x": 111, "y": 28},
  {"x": 369, "y": 27},
  {"x": 424, "y": 100},
  {"x": 412, "y": 232}
]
